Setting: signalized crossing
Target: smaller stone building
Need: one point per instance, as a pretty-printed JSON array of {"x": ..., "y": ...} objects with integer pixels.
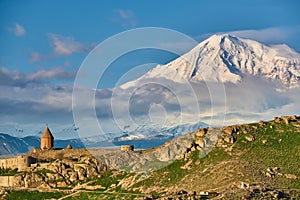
[{"x": 127, "y": 148}]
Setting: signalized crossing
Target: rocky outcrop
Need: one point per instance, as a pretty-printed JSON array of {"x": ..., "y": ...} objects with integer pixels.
[
  {"x": 287, "y": 119},
  {"x": 59, "y": 173}
]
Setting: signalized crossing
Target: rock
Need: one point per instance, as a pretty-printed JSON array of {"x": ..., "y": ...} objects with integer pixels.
[
  {"x": 73, "y": 176},
  {"x": 198, "y": 148},
  {"x": 193, "y": 149},
  {"x": 277, "y": 119},
  {"x": 270, "y": 174},
  {"x": 201, "y": 132},
  {"x": 250, "y": 138},
  {"x": 50, "y": 176},
  {"x": 200, "y": 142},
  {"x": 278, "y": 194},
  {"x": 2, "y": 191},
  {"x": 262, "y": 123},
  {"x": 81, "y": 173},
  {"x": 290, "y": 176},
  {"x": 280, "y": 140},
  {"x": 197, "y": 162},
  {"x": 44, "y": 186},
  {"x": 181, "y": 192},
  {"x": 286, "y": 120},
  {"x": 62, "y": 184},
  {"x": 229, "y": 139},
  {"x": 275, "y": 169},
  {"x": 265, "y": 141},
  {"x": 187, "y": 165},
  {"x": 91, "y": 171},
  {"x": 230, "y": 130},
  {"x": 192, "y": 193},
  {"x": 244, "y": 185}
]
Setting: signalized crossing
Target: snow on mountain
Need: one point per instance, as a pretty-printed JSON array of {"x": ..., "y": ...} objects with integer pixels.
[
  {"x": 150, "y": 133},
  {"x": 226, "y": 58}
]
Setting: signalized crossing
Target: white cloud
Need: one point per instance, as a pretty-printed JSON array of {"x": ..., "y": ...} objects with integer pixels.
[
  {"x": 61, "y": 46},
  {"x": 18, "y": 30},
  {"x": 125, "y": 14},
  {"x": 17, "y": 78},
  {"x": 66, "y": 45},
  {"x": 126, "y": 18}
]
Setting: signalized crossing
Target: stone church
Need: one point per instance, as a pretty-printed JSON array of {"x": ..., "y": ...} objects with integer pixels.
[{"x": 47, "y": 140}]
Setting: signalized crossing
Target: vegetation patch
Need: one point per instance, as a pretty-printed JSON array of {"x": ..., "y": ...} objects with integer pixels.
[
  {"x": 33, "y": 195},
  {"x": 8, "y": 172}
]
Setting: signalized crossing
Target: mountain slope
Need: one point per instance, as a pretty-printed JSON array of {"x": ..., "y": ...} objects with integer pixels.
[
  {"x": 261, "y": 162},
  {"x": 226, "y": 58}
]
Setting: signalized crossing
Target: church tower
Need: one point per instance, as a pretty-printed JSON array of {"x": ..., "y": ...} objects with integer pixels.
[{"x": 47, "y": 139}]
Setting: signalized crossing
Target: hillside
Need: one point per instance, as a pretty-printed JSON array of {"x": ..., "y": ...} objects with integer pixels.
[
  {"x": 249, "y": 161},
  {"x": 262, "y": 160}
]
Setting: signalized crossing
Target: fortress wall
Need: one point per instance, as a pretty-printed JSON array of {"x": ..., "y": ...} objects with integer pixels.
[
  {"x": 7, "y": 181},
  {"x": 11, "y": 163},
  {"x": 20, "y": 162}
]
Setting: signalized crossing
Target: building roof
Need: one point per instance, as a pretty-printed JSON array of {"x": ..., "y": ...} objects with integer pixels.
[{"x": 47, "y": 133}]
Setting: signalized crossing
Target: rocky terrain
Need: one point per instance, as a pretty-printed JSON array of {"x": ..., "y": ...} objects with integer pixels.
[{"x": 248, "y": 161}]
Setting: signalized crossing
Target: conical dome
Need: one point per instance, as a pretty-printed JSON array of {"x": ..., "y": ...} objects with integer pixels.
[{"x": 47, "y": 133}]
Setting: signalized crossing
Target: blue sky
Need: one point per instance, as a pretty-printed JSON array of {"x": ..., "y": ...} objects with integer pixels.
[
  {"x": 44, "y": 42},
  {"x": 87, "y": 23}
]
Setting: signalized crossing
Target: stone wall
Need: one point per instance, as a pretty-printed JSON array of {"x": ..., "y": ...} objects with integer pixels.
[
  {"x": 20, "y": 162},
  {"x": 7, "y": 181}
]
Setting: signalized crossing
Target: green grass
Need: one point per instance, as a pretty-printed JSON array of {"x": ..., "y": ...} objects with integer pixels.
[
  {"x": 33, "y": 195},
  {"x": 44, "y": 171},
  {"x": 8, "y": 172},
  {"x": 103, "y": 196},
  {"x": 107, "y": 179},
  {"x": 247, "y": 161}
]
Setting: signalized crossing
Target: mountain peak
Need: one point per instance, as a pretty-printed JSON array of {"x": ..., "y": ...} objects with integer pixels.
[{"x": 227, "y": 58}]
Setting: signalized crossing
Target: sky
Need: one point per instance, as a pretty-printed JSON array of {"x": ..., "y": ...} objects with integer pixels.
[{"x": 43, "y": 44}]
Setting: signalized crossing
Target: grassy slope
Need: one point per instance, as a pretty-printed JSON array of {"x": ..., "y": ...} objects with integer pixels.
[{"x": 224, "y": 168}]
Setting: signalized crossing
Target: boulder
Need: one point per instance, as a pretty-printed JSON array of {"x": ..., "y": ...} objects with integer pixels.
[
  {"x": 73, "y": 176},
  {"x": 201, "y": 132},
  {"x": 250, "y": 138},
  {"x": 290, "y": 176},
  {"x": 265, "y": 141},
  {"x": 229, "y": 139},
  {"x": 200, "y": 142}
]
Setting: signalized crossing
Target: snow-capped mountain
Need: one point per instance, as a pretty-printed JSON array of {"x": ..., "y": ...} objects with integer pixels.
[
  {"x": 226, "y": 58},
  {"x": 148, "y": 134}
]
